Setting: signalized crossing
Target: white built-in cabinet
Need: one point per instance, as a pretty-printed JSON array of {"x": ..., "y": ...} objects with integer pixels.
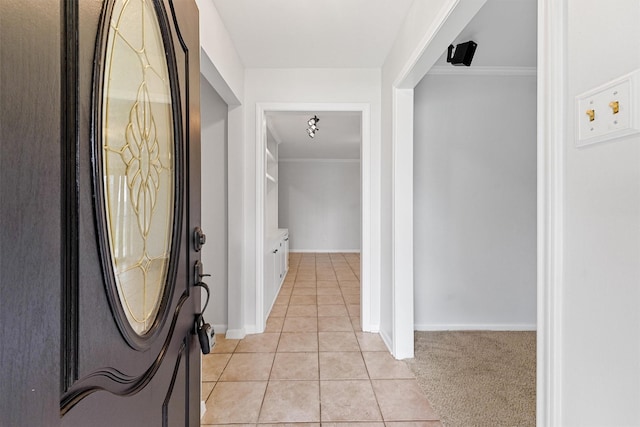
[
  {"x": 276, "y": 265},
  {"x": 276, "y": 256}
]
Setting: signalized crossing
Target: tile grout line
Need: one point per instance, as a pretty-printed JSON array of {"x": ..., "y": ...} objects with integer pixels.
[
  {"x": 293, "y": 270},
  {"x": 264, "y": 396},
  {"x": 318, "y": 356}
]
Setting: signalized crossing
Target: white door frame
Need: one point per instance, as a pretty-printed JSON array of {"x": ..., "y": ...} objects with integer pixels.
[
  {"x": 369, "y": 276},
  {"x": 551, "y": 99},
  {"x": 552, "y": 112},
  {"x": 452, "y": 18}
]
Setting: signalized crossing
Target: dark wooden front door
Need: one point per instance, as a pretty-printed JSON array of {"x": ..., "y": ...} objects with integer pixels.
[{"x": 100, "y": 178}]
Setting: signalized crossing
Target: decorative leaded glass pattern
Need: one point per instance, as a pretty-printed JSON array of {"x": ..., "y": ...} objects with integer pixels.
[{"x": 138, "y": 159}]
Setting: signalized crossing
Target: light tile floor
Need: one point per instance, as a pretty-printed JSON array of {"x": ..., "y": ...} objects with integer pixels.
[{"x": 313, "y": 366}]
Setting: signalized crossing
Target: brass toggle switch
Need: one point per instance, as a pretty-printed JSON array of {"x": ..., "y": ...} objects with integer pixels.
[
  {"x": 615, "y": 106},
  {"x": 609, "y": 111}
]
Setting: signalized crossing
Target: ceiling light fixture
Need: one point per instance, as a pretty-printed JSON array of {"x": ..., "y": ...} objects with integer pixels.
[{"x": 313, "y": 128}]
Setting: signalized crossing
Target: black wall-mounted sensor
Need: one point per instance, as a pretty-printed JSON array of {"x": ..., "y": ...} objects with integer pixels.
[{"x": 463, "y": 54}]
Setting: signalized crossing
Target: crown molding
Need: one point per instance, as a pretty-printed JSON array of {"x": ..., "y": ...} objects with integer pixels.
[
  {"x": 483, "y": 71},
  {"x": 319, "y": 160}
]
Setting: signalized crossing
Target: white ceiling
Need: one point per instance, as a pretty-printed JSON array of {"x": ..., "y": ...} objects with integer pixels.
[
  {"x": 356, "y": 34},
  {"x": 338, "y": 136},
  {"x": 311, "y": 33}
]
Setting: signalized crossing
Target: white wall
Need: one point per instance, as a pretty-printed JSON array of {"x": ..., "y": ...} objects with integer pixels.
[
  {"x": 305, "y": 86},
  {"x": 475, "y": 202},
  {"x": 419, "y": 44},
  {"x": 320, "y": 205},
  {"x": 601, "y": 292},
  {"x": 222, "y": 68},
  {"x": 213, "y": 112},
  {"x": 219, "y": 61}
]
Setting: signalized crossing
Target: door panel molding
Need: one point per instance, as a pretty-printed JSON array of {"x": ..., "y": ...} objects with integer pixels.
[
  {"x": 176, "y": 370},
  {"x": 119, "y": 383},
  {"x": 70, "y": 206}
]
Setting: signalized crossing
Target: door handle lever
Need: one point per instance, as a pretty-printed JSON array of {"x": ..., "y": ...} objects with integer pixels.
[{"x": 198, "y": 273}]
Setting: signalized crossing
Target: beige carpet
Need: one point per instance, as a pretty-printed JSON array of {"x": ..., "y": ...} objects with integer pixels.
[{"x": 478, "y": 378}]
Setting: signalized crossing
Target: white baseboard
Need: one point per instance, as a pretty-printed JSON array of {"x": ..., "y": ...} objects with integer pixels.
[
  {"x": 374, "y": 329},
  {"x": 250, "y": 330},
  {"x": 235, "y": 334},
  {"x": 325, "y": 251},
  {"x": 203, "y": 408},
  {"x": 476, "y": 327},
  {"x": 220, "y": 328},
  {"x": 387, "y": 341}
]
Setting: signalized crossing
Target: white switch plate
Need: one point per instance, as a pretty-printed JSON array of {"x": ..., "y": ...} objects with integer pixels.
[{"x": 606, "y": 125}]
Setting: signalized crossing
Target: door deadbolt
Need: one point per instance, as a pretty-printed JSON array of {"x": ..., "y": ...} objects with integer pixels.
[{"x": 199, "y": 239}]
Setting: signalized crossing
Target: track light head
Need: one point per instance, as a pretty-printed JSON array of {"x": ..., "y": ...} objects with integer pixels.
[{"x": 313, "y": 128}]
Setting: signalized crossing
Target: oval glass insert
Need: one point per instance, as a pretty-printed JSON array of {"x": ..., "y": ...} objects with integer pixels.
[{"x": 138, "y": 159}]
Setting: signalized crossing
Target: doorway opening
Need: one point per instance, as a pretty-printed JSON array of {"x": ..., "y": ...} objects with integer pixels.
[
  {"x": 214, "y": 196},
  {"x": 369, "y": 304},
  {"x": 472, "y": 181},
  {"x": 475, "y": 200}
]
